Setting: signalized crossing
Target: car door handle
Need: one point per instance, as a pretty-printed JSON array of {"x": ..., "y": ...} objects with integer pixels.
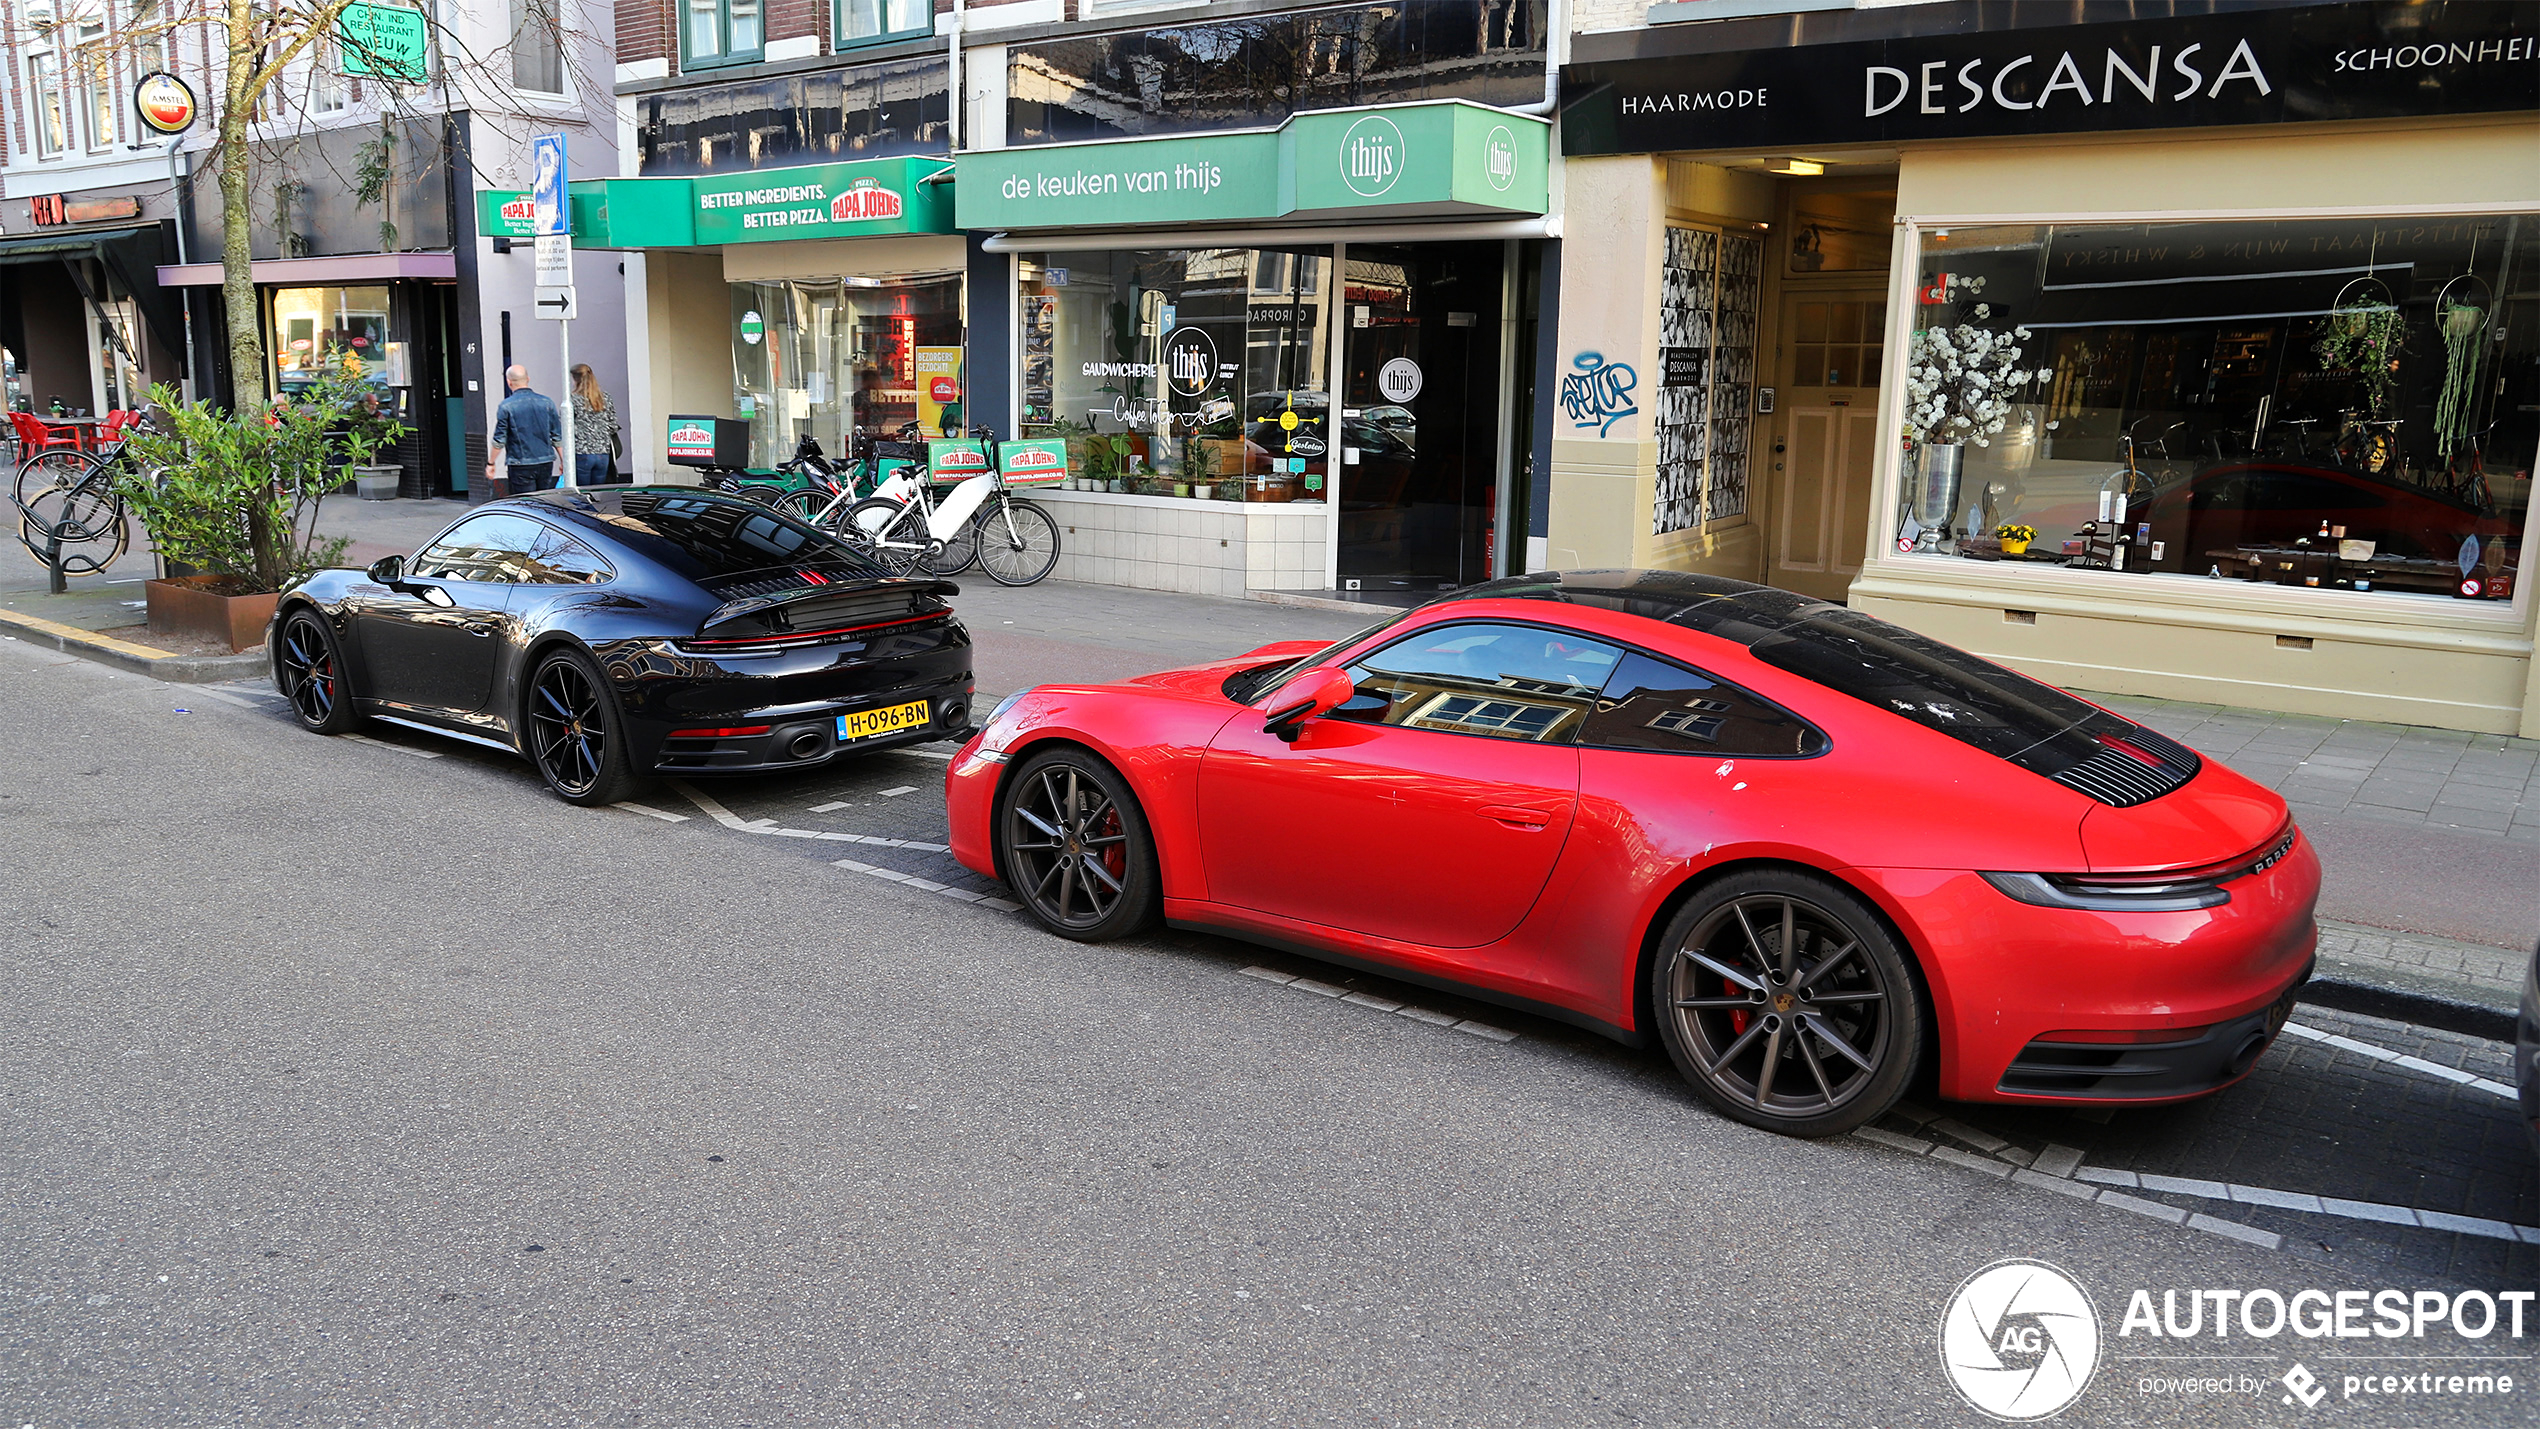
[
  {"x": 476, "y": 629},
  {"x": 1517, "y": 817}
]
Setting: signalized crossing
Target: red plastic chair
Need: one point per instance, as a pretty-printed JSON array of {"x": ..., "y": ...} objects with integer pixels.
[{"x": 35, "y": 436}]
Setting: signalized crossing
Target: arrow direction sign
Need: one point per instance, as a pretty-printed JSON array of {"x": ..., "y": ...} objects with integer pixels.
[{"x": 560, "y": 304}]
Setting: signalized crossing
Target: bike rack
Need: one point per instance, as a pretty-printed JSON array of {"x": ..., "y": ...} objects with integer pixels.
[{"x": 56, "y": 550}]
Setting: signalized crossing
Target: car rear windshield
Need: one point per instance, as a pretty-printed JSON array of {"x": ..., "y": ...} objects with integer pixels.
[
  {"x": 711, "y": 539},
  {"x": 1973, "y": 701}
]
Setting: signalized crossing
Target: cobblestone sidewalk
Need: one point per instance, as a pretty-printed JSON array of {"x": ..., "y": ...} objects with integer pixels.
[{"x": 2442, "y": 778}]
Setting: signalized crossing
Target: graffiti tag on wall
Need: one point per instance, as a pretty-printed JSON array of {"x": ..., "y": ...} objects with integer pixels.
[{"x": 1599, "y": 394}]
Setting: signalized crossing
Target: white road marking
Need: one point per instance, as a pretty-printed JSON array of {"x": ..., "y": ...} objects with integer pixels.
[
  {"x": 384, "y": 744},
  {"x": 662, "y": 814},
  {"x": 2108, "y": 1187},
  {"x": 831, "y": 806},
  {"x": 2401, "y": 1059},
  {"x": 721, "y": 815},
  {"x": 925, "y": 753},
  {"x": 1381, "y": 1004},
  {"x": 903, "y": 789}
]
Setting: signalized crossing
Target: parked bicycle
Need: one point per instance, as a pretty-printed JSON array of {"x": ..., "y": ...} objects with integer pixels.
[
  {"x": 68, "y": 496},
  {"x": 875, "y": 467},
  {"x": 1014, "y": 540}
]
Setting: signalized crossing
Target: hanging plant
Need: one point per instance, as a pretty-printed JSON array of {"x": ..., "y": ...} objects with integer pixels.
[
  {"x": 2456, "y": 406},
  {"x": 2365, "y": 340},
  {"x": 374, "y": 169}
]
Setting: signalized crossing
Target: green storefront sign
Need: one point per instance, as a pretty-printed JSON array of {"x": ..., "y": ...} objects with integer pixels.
[
  {"x": 879, "y": 196},
  {"x": 861, "y": 200},
  {"x": 1414, "y": 160},
  {"x": 505, "y": 213},
  {"x": 385, "y": 42}
]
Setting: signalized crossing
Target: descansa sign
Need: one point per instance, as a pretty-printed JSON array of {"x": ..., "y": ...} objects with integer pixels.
[
  {"x": 1443, "y": 158},
  {"x": 2386, "y": 59}
]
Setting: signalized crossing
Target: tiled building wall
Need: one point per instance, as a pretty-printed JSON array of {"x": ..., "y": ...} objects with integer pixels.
[{"x": 1218, "y": 548}]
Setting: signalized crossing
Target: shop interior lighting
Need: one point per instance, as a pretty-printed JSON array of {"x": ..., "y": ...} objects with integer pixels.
[{"x": 1799, "y": 168}]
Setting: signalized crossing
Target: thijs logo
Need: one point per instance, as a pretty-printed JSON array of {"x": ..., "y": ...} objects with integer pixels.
[
  {"x": 1499, "y": 157},
  {"x": 1190, "y": 358},
  {"x": 1372, "y": 156}
]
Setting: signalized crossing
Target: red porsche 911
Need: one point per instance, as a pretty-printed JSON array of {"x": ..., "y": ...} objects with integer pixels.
[{"x": 1804, "y": 848}]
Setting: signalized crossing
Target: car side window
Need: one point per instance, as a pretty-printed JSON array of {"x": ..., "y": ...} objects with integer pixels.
[
  {"x": 1499, "y": 681},
  {"x": 1660, "y": 705},
  {"x": 506, "y": 549},
  {"x": 490, "y": 548},
  {"x": 555, "y": 558}
]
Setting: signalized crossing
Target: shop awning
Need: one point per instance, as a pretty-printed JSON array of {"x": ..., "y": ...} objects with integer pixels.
[
  {"x": 1443, "y": 159},
  {"x": 52, "y": 247},
  {"x": 129, "y": 254},
  {"x": 321, "y": 272},
  {"x": 868, "y": 198}
]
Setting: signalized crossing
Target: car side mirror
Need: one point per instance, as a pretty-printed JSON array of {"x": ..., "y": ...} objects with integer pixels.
[
  {"x": 1310, "y": 694},
  {"x": 388, "y": 570}
]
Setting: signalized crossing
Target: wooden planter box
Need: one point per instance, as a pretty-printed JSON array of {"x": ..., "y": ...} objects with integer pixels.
[{"x": 193, "y": 605}]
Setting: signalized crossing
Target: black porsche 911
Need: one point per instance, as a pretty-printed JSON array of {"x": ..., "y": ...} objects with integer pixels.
[{"x": 612, "y": 633}]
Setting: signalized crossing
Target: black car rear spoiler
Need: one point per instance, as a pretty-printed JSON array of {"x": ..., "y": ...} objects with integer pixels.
[{"x": 835, "y": 608}]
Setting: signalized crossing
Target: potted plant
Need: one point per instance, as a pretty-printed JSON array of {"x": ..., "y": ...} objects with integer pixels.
[
  {"x": 375, "y": 480},
  {"x": 236, "y": 497},
  {"x": 2015, "y": 538},
  {"x": 1959, "y": 382}
]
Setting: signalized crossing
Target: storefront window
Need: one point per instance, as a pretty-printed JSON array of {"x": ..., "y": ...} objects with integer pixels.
[
  {"x": 321, "y": 331},
  {"x": 2345, "y": 404},
  {"x": 1184, "y": 372},
  {"x": 820, "y": 358}
]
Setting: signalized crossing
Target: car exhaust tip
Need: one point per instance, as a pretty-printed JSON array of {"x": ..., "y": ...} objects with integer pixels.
[
  {"x": 2246, "y": 1054},
  {"x": 807, "y": 744}
]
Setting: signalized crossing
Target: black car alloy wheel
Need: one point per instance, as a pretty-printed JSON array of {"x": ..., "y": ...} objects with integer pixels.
[
  {"x": 310, "y": 676},
  {"x": 1787, "y": 1004},
  {"x": 1075, "y": 848},
  {"x": 574, "y": 732}
]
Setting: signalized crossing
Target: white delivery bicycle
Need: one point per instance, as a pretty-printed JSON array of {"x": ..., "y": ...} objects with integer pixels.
[{"x": 902, "y": 527}]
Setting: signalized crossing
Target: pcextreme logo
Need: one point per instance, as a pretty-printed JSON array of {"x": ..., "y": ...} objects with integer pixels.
[{"x": 2019, "y": 1340}]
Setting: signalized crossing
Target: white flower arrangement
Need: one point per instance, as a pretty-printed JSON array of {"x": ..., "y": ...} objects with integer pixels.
[{"x": 1959, "y": 381}]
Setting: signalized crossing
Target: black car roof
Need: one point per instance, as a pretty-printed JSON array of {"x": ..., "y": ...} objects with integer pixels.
[{"x": 1715, "y": 605}]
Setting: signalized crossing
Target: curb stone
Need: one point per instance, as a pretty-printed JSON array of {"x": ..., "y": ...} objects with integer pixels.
[
  {"x": 2416, "y": 1008},
  {"x": 139, "y": 659}
]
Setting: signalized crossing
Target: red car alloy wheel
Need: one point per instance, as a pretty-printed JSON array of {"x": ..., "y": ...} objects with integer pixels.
[
  {"x": 1069, "y": 847},
  {"x": 1777, "y": 1002}
]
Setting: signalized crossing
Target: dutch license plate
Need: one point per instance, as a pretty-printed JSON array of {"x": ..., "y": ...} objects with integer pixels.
[{"x": 891, "y": 719}]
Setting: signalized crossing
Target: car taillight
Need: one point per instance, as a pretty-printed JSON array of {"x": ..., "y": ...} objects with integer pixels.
[
  {"x": 2171, "y": 891},
  {"x": 729, "y": 731},
  {"x": 2165, "y": 894}
]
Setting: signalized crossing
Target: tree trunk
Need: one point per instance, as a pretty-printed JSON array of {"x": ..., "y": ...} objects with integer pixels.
[{"x": 238, "y": 283}]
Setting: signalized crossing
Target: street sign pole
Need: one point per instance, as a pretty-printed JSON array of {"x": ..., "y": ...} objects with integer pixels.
[{"x": 555, "y": 270}]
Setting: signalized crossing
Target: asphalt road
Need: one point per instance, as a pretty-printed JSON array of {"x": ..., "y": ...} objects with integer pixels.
[{"x": 345, "y": 1085}]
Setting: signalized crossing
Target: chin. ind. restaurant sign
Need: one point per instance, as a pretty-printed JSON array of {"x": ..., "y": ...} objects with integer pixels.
[
  {"x": 2381, "y": 60},
  {"x": 1442, "y": 159}
]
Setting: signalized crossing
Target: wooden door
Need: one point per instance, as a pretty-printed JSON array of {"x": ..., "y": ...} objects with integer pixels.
[{"x": 1825, "y": 438}]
